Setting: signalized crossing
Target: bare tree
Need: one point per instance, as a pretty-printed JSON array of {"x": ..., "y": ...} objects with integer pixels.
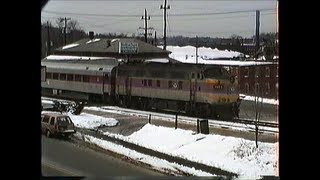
[
  {"x": 258, "y": 104},
  {"x": 72, "y": 27}
]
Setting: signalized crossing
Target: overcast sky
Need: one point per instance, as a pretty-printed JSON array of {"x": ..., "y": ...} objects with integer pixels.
[{"x": 212, "y": 18}]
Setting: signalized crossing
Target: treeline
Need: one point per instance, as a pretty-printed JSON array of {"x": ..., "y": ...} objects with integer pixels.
[{"x": 52, "y": 34}]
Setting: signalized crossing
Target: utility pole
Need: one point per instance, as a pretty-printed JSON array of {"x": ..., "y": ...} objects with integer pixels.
[
  {"x": 48, "y": 40},
  {"x": 155, "y": 38},
  {"x": 65, "y": 30},
  {"x": 165, "y": 7},
  {"x": 257, "y": 32},
  {"x": 146, "y": 18},
  {"x": 196, "y": 49}
]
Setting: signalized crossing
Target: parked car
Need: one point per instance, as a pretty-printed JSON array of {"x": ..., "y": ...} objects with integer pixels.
[{"x": 55, "y": 124}]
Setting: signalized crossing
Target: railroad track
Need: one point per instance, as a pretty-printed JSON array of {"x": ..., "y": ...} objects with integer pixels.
[
  {"x": 246, "y": 125},
  {"x": 253, "y": 122},
  {"x": 237, "y": 123}
]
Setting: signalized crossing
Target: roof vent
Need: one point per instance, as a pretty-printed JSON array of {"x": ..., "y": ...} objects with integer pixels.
[{"x": 91, "y": 35}]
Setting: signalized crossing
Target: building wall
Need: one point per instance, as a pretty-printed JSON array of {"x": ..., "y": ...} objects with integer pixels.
[{"x": 259, "y": 80}]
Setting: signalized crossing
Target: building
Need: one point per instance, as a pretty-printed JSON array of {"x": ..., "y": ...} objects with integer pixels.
[
  {"x": 255, "y": 78},
  {"x": 120, "y": 48}
]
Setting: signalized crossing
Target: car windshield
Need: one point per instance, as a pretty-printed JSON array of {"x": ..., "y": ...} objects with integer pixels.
[{"x": 64, "y": 120}]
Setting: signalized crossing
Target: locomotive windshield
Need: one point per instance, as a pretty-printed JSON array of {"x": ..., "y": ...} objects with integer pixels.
[{"x": 216, "y": 72}]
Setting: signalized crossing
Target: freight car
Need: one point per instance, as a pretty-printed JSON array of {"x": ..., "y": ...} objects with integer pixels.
[{"x": 201, "y": 90}]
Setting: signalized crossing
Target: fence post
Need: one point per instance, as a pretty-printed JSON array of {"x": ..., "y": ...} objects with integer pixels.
[
  {"x": 149, "y": 118},
  {"x": 176, "y": 122},
  {"x": 198, "y": 126}
]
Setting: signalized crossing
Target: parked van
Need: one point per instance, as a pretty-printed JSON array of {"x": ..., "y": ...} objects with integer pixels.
[{"x": 55, "y": 124}]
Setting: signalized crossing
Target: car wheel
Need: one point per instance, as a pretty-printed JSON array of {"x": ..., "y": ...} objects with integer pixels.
[{"x": 48, "y": 133}]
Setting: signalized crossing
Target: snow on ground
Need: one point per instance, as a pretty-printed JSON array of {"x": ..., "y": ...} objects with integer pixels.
[
  {"x": 156, "y": 163},
  {"x": 232, "y": 154},
  {"x": 88, "y": 121},
  {"x": 264, "y": 100}
]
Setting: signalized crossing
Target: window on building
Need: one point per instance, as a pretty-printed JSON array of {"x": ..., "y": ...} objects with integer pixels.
[
  {"x": 246, "y": 72},
  {"x": 63, "y": 77},
  {"x": 257, "y": 72},
  {"x": 55, "y": 76},
  {"x": 247, "y": 88},
  {"x": 256, "y": 88},
  {"x": 267, "y": 88},
  {"x": 158, "y": 83},
  {"x": 149, "y": 82},
  {"x": 192, "y": 75},
  {"x": 69, "y": 77},
  {"x": 48, "y": 75},
  {"x": 267, "y": 71},
  {"x": 77, "y": 77},
  {"x": 180, "y": 85}
]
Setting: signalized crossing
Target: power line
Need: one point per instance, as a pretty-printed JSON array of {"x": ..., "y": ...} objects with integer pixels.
[
  {"x": 137, "y": 15},
  {"x": 145, "y": 0}
]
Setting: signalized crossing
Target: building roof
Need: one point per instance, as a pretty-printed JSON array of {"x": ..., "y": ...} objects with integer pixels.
[{"x": 107, "y": 46}]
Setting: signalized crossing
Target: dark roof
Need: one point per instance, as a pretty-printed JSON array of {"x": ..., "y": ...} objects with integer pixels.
[{"x": 101, "y": 46}]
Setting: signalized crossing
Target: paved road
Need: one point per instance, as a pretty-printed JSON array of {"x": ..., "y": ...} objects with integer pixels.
[{"x": 65, "y": 158}]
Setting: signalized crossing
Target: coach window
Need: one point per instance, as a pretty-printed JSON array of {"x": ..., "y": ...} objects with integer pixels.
[
  {"x": 106, "y": 77},
  {"x": 144, "y": 82},
  {"x": 246, "y": 72},
  {"x": 277, "y": 71},
  {"x": 267, "y": 71},
  {"x": 69, "y": 77},
  {"x": 180, "y": 85},
  {"x": 149, "y": 82},
  {"x": 158, "y": 83},
  {"x": 63, "y": 77},
  {"x": 198, "y": 75},
  {"x": 85, "y": 78},
  {"x": 55, "y": 76},
  {"x": 98, "y": 79},
  {"x": 77, "y": 77},
  {"x": 192, "y": 75},
  {"x": 48, "y": 75}
]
